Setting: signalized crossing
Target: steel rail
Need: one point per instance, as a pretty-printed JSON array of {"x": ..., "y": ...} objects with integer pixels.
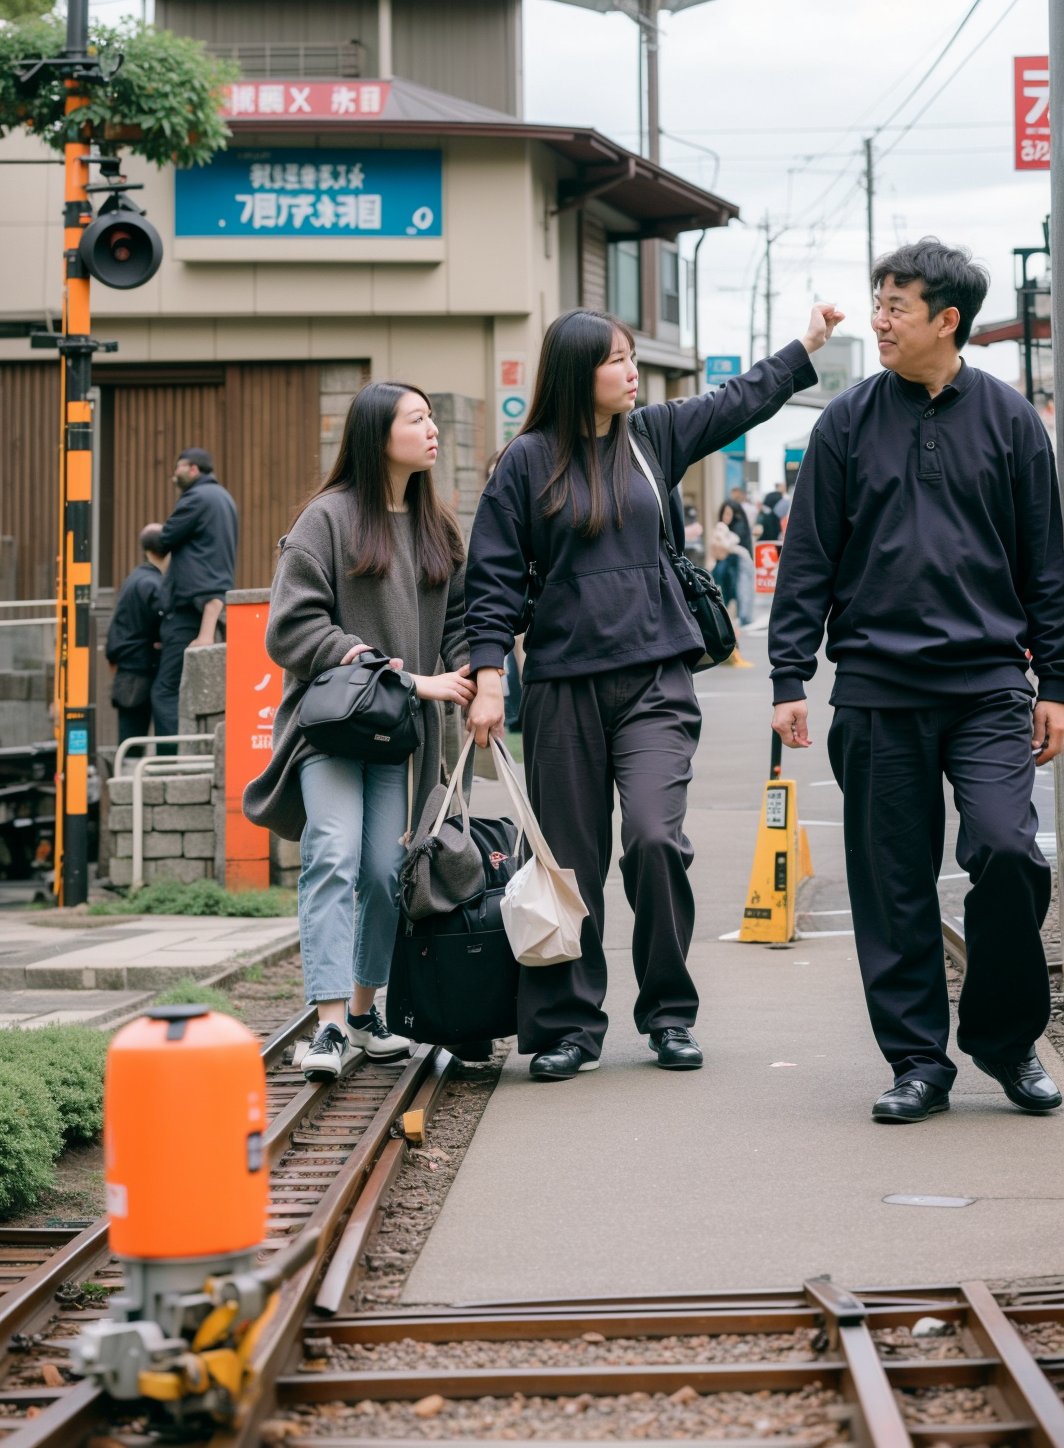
[
  {"x": 1021, "y": 1380},
  {"x": 283, "y": 1328},
  {"x": 1028, "y": 1412},
  {"x": 337, "y": 1280},
  {"x": 83, "y": 1407},
  {"x": 441, "y": 1326}
]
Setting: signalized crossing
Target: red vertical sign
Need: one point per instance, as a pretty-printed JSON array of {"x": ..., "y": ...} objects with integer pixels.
[
  {"x": 252, "y": 695},
  {"x": 1031, "y": 100}
]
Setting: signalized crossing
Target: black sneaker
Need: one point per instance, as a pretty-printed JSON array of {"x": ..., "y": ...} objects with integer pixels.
[
  {"x": 371, "y": 1035},
  {"x": 329, "y": 1056},
  {"x": 676, "y": 1049}
]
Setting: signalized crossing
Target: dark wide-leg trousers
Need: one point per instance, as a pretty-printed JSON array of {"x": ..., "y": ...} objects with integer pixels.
[
  {"x": 889, "y": 764},
  {"x": 636, "y": 729}
]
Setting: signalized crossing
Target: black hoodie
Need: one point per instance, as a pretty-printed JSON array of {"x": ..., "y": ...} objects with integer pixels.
[{"x": 610, "y": 601}]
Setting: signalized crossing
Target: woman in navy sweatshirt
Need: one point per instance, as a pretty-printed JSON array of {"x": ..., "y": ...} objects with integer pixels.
[{"x": 608, "y": 696}]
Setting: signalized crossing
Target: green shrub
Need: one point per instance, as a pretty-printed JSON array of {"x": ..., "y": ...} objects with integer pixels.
[
  {"x": 69, "y": 1063},
  {"x": 31, "y": 1137},
  {"x": 189, "y": 992},
  {"x": 169, "y": 89},
  {"x": 205, "y": 897}
]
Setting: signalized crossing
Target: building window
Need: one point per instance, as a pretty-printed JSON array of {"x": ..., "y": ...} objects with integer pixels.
[
  {"x": 670, "y": 285},
  {"x": 623, "y": 281}
]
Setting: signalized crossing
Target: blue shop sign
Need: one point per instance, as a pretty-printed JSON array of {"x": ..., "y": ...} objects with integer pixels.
[{"x": 312, "y": 193}]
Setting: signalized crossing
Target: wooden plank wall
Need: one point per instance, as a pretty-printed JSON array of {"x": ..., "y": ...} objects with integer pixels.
[
  {"x": 29, "y": 461},
  {"x": 261, "y": 424}
]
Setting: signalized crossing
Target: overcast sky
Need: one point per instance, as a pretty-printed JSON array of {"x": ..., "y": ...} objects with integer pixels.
[{"x": 784, "y": 91}]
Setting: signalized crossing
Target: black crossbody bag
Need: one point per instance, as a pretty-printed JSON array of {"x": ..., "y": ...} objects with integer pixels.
[
  {"x": 364, "y": 710},
  {"x": 700, "y": 589}
]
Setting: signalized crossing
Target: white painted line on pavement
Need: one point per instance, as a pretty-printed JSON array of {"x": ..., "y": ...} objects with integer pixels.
[
  {"x": 819, "y": 934},
  {"x": 962, "y": 876},
  {"x": 731, "y": 935},
  {"x": 820, "y": 783},
  {"x": 825, "y": 912},
  {"x": 828, "y": 824}
]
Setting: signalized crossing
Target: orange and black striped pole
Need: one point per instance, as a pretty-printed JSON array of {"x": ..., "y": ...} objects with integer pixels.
[{"x": 73, "y": 674}]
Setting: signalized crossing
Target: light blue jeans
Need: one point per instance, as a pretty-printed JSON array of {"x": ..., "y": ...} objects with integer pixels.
[{"x": 350, "y": 854}]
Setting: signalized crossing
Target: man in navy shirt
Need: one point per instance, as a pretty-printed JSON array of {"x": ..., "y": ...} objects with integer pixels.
[
  {"x": 200, "y": 537},
  {"x": 926, "y": 533}
]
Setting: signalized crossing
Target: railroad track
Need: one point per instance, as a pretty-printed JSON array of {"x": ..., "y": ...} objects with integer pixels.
[
  {"x": 839, "y": 1366},
  {"x": 324, "y": 1143},
  {"x": 820, "y": 1366}
]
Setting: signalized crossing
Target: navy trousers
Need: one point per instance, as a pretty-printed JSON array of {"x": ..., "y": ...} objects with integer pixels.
[
  {"x": 176, "y": 632},
  {"x": 634, "y": 729},
  {"x": 890, "y": 765}
]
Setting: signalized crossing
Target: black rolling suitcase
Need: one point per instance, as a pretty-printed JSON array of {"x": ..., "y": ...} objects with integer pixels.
[{"x": 453, "y": 978}]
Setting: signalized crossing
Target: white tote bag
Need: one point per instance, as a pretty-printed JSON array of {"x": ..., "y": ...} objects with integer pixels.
[{"x": 541, "y": 909}]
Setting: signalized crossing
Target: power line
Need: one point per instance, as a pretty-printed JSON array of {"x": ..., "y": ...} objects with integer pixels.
[
  {"x": 933, "y": 66},
  {"x": 953, "y": 75}
]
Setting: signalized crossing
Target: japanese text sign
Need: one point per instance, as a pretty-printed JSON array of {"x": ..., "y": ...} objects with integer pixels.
[
  {"x": 1031, "y": 94},
  {"x": 305, "y": 100},
  {"x": 322, "y": 192}
]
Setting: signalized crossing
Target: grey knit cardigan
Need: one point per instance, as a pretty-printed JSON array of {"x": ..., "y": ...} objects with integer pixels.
[{"x": 318, "y": 610}]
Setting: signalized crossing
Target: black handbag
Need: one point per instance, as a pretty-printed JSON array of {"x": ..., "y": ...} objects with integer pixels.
[
  {"x": 698, "y": 586},
  {"x": 453, "y": 857},
  {"x": 364, "y": 710}
]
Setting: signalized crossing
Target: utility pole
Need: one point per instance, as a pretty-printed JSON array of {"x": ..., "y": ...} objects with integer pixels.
[
  {"x": 870, "y": 184},
  {"x": 648, "y": 29},
  {"x": 1056, "y": 249},
  {"x": 769, "y": 239}
]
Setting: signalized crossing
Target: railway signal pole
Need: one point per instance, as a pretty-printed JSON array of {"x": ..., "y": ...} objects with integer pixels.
[{"x": 123, "y": 251}]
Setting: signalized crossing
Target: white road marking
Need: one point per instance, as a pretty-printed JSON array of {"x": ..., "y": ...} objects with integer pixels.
[
  {"x": 828, "y": 824},
  {"x": 819, "y": 934},
  {"x": 825, "y": 912}
]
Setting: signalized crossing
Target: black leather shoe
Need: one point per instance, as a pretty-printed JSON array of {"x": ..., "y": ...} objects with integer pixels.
[
  {"x": 911, "y": 1101},
  {"x": 561, "y": 1063},
  {"x": 1027, "y": 1083},
  {"x": 677, "y": 1049}
]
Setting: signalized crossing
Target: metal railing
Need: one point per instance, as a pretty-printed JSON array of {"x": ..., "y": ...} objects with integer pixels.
[{"x": 161, "y": 765}]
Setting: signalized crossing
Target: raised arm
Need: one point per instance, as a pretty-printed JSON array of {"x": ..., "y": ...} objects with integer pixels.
[{"x": 693, "y": 427}]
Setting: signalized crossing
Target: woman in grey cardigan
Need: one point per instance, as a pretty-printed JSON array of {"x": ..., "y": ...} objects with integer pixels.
[{"x": 374, "y": 560}]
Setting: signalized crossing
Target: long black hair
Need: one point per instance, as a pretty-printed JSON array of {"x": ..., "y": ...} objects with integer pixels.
[
  {"x": 361, "y": 469},
  {"x": 563, "y": 408}
]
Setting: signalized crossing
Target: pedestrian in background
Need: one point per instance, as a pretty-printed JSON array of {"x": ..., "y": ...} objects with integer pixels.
[
  {"x": 926, "y": 531},
  {"x": 374, "y": 560},
  {"x": 133, "y": 639},
  {"x": 608, "y": 692},
  {"x": 200, "y": 537}
]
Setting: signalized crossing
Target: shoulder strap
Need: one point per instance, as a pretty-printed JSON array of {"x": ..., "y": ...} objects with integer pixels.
[{"x": 645, "y": 467}]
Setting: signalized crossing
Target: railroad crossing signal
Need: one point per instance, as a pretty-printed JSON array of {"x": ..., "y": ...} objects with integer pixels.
[{"x": 120, "y": 249}]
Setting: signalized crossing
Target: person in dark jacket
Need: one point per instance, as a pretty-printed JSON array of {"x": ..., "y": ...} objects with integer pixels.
[
  {"x": 926, "y": 531},
  {"x": 608, "y": 693},
  {"x": 133, "y": 639},
  {"x": 200, "y": 537}
]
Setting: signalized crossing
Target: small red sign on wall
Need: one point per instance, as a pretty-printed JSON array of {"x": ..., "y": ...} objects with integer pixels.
[{"x": 1031, "y": 99}]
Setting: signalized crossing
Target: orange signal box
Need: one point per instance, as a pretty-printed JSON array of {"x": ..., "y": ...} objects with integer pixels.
[{"x": 252, "y": 697}]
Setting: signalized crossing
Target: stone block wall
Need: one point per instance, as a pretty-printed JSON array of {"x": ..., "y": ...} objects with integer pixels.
[{"x": 178, "y": 829}]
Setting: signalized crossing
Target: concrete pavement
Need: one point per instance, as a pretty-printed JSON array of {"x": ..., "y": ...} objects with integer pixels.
[
  {"x": 764, "y": 1167},
  {"x": 60, "y": 967}
]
